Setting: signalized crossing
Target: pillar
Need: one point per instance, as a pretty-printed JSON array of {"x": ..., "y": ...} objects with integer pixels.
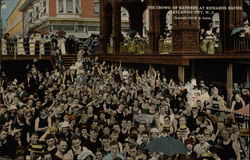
[
  {"x": 74, "y": 6},
  {"x": 181, "y": 73},
  {"x": 229, "y": 83},
  {"x": 154, "y": 28},
  {"x": 185, "y": 31},
  {"x": 64, "y": 6},
  {"x": 116, "y": 19},
  {"x": 103, "y": 29}
]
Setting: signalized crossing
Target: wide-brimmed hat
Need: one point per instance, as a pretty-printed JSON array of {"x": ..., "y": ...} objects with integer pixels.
[
  {"x": 154, "y": 130},
  {"x": 182, "y": 128},
  {"x": 36, "y": 149},
  {"x": 206, "y": 156}
]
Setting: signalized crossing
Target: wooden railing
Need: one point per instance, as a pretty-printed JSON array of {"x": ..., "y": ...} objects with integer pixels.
[{"x": 241, "y": 45}]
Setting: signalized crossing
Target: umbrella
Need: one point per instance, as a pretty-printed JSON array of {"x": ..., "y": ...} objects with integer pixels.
[
  {"x": 61, "y": 32},
  {"x": 237, "y": 30},
  {"x": 166, "y": 145},
  {"x": 130, "y": 32},
  {"x": 243, "y": 111},
  {"x": 44, "y": 32},
  {"x": 247, "y": 84}
]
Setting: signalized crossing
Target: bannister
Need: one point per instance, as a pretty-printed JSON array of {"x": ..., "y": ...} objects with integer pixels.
[{"x": 241, "y": 44}]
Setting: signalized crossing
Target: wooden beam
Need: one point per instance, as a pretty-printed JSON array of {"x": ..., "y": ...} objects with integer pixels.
[{"x": 229, "y": 83}]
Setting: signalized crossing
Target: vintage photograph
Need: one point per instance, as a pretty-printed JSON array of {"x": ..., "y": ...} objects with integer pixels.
[{"x": 124, "y": 79}]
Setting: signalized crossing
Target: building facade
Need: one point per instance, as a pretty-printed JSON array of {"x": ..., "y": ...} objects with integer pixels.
[
  {"x": 14, "y": 23},
  {"x": 76, "y": 17}
]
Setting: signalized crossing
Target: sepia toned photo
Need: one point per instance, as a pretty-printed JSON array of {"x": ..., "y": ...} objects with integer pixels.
[{"x": 124, "y": 79}]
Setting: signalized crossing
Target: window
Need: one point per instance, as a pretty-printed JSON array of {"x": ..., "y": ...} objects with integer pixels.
[
  {"x": 60, "y": 6},
  {"x": 93, "y": 28},
  {"x": 82, "y": 28},
  {"x": 69, "y": 6},
  {"x": 78, "y": 6},
  {"x": 30, "y": 17},
  {"x": 63, "y": 27},
  {"x": 97, "y": 7},
  {"x": 44, "y": 7},
  {"x": 37, "y": 12}
]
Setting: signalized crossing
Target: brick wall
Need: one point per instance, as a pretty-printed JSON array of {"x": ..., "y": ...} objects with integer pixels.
[
  {"x": 52, "y": 8},
  {"x": 88, "y": 9}
]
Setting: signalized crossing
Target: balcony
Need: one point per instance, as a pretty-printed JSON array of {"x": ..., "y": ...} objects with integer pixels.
[{"x": 241, "y": 45}]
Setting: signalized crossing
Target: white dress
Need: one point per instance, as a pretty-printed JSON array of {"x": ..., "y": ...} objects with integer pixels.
[
  {"x": 41, "y": 46},
  {"x": 20, "y": 47},
  {"x": 61, "y": 45},
  {"x": 4, "y": 46},
  {"x": 32, "y": 45}
]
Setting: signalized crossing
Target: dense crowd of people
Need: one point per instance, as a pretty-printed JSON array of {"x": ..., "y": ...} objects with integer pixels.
[
  {"x": 47, "y": 44},
  {"x": 100, "y": 111}
]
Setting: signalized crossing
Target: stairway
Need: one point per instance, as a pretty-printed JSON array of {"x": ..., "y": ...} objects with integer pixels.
[{"x": 69, "y": 59}]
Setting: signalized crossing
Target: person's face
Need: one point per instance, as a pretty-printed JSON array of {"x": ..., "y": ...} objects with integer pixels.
[
  {"x": 124, "y": 124},
  {"x": 69, "y": 99},
  {"x": 50, "y": 142},
  {"x": 145, "y": 138},
  {"x": 62, "y": 147},
  {"x": 98, "y": 155},
  {"x": 102, "y": 116},
  {"x": 162, "y": 110},
  {"x": 198, "y": 103},
  {"x": 216, "y": 92},
  {"x": 38, "y": 103},
  {"x": 106, "y": 131},
  {"x": 65, "y": 130},
  {"x": 16, "y": 100},
  {"x": 17, "y": 135},
  {"x": 189, "y": 147},
  {"x": 90, "y": 110},
  {"x": 66, "y": 117},
  {"x": 201, "y": 138},
  {"x": 154, "y": 135},
  {"x": 3, "y": 135},
  {"x": 47, "y": 157},
  {"x": 167, "y": 120},
  {"x": 129, "y": 124},
  {"x": 207, "y": 135},
  {"x": 93, "y": 134},
  {"x": 34, "y": 139},
  {"x": 136, "y": 103},
  {"x": 237, "y": 97},
  {"x": 30, "y": 102},
  {"x": 182, "y": 121},
  {"x": 114, "y": 149},
  {"x": 225, "y": 135},
  {"x": 76, "y": 143},
  {"x": 114, "y": 136},
  {"x": 43, "y": 112},
  {"x": 133, "y": 152},
  {"x": 116, "y": 127},
  {"x": 84, "y": 132},
  {"x": 105, "y": 142},
  {"x": 142, "y": 128}
]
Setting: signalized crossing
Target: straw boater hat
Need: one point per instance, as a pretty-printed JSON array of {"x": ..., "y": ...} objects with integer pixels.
[{"x": 36, "y": 149}]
